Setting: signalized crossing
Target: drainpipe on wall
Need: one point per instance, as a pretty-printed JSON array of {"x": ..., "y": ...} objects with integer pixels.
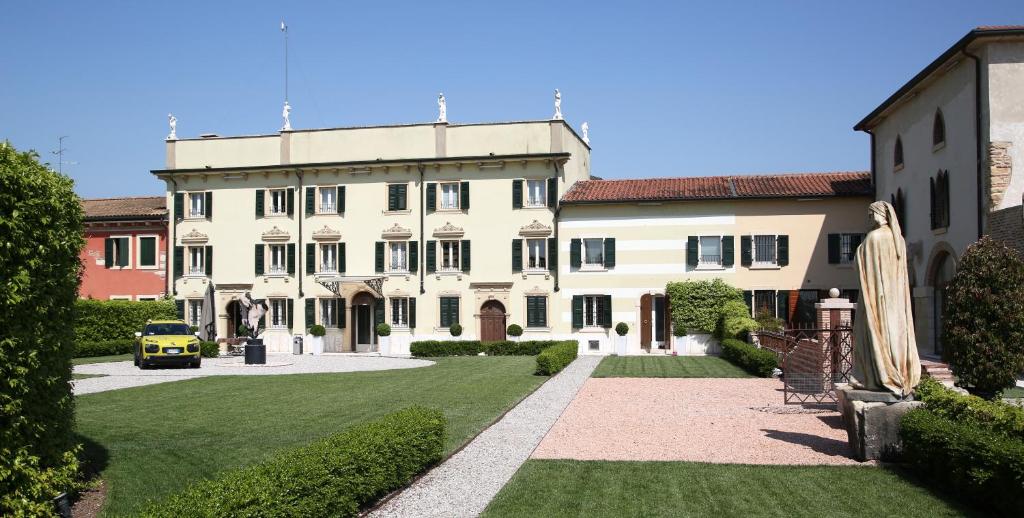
[
  {"x": 172, "y": 220},
  {"x": 558, "y": 210},
  {"x": 977, "y": 139},
  {"x": 422, "y": 244},
  {"x": 874, "y": 177},
  {"x": 301, "y": 214}
]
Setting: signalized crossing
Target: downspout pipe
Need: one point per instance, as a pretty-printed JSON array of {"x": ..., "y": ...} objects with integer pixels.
[
  {"x": 874, "y": 172},
  {"x": 978, "y": 148},
  {"x": 558, "y": 210},
  {"x": 301, "y": 214},
  {"x": 172, "y": 221},
  {"x": 422, "y": 244}
]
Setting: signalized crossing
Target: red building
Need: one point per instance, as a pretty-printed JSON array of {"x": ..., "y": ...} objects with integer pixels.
[{"x": 125, "y": 254}]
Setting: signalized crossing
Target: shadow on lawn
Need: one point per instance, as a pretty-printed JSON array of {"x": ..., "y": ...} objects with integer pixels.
[
  {"x": 94, "y": 458},
  {"x": 963, "y": 507},
  {"x": 817, "y": 443}
]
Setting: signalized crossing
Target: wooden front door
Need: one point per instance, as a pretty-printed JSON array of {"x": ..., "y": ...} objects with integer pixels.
[
  {"x": 645, "y": 321},
  {"x": 492, "y": 321}
]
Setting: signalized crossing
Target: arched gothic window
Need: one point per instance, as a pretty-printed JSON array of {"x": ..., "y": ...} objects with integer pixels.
[
  {"x": 938, "y": 129},
  {"x": 897, "y": 154}
]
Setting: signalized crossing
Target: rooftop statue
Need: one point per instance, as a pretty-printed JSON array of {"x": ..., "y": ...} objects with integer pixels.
[
  {"x": 173, "y": 122},
  {"x": 558, "y": 106},
  {"x": 442, "y": 108},
  {"x": 586, "y": 132},
  {"x": 286, "y": 114}
]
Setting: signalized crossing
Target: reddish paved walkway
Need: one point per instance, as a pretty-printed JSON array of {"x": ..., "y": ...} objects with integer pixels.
[{"x": 704, "y": 420}]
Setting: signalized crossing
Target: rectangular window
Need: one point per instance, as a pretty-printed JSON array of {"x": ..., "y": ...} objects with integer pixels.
[
  {"x": 329, "y": 200},
  {"x": 537, "y": 254},
  {"x": 278, "y": 202},
  {"x": 711, "y": 250},
  {"x": 329, "y": 258},
  {"x": 449, "y": 311},
  {"x": 764, "y": 249},
  {"x": 593, "y": 305},
  {"x": 147, "y": 252},
  {"x": 278, "y": 260},
  {"x": 279, "y": 313},
  {"x": 142, "y": 298},
  {"x": 197, "y": 204},
  {"x": 449, "y": 195},
  {"x": 846, "y": 250},
  {"x": 117, "y": 252},
  {"x": 593, "y": 252},
  {"x": 399, "y": 255},
  {"x": 327, "y": 316},
  {"x": 396, "y": 196},
  {"x": 399, "y": 311},
  {"x": 195, "y": 312},
  {"x": 449, "y": 256},
  {"x": 536, "y": 193},
  {"x": 536, "y": 311},
  {"x": 764, "y": 303},
  {"x": 196, "y": 260}
]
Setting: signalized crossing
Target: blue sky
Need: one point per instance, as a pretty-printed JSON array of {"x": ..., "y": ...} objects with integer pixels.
[{"x": 668, "y": 89}]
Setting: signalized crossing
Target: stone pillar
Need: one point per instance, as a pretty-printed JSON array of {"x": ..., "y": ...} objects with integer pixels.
[{"x": 834, "y": 311}]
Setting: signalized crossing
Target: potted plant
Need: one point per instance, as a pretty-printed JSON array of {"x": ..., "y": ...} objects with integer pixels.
[
  {"x": 384, "y": 335},
  {"x": 514, "y": 331},
  {"x": 316, "y": 341},
  {"x": 455, "y": 330},
  {"x": 621, "y": 342}
]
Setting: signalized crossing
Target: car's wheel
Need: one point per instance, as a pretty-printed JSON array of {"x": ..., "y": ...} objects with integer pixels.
[
  {"x": 135, "y": 359},
  {"x": 195, "y": 364}
]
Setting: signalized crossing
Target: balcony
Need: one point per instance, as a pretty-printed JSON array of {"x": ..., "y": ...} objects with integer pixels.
[
  {"x": 328, "y": 208},
  {"x": 328, "y": 268},
  {"x": 277, "y": 270}
]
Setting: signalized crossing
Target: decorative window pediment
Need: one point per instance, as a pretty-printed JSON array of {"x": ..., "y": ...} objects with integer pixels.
[
  {"x": 276, "y": 234},
  {"x": 535, "y": 229},
  {"x": 449, "y": 231},
  {"x": 396, "y": 232},
  {"x": 327, "y": 234},
  {"x": 195, "y": 237}
]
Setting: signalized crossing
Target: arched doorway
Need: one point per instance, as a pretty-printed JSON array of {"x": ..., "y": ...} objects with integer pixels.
[
  {"x": 234, "y": 311},
  {"x": 362, "y": 321},
  {"x": 492, "y": 321},
  {"x": 943, "y": 267}
]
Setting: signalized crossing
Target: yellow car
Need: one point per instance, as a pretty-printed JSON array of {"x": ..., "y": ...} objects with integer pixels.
[{"x": 166, "y": 342}]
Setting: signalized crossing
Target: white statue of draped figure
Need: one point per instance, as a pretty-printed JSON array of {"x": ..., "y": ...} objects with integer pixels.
[
  {"x": 558, "y": 106},
  {"x": 885, "y": 348},
  {"x": 172, "y": 121},
  {"x": 442, "y": 108},
  {"x": 286, "y": 114}
]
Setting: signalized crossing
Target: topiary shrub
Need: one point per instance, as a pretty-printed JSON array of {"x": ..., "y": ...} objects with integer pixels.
[
  {"x": 759, "y": 362},
  {"x": 455, "y": 329},
  {"x": 553, "y": 359},
  {"x": 524, "y": 348},
  {"x": 621, "y": 328},
  {"x": 734, "y": 320},
  {"x": 335, "y": 476},
  {"x": 104, "y": 348},
  {"x": 383, "y": 329},
  {"x": 209, "y": 349},
  {"x": 319, "y": 330},
  {"x": 514, "y": 330},
  {"x": 99, "y": 320},
  {"x": 436, "y": 348},
  {"x": 983, "y": 328},
  {"x": 41, "y": 229},
  {"x": 697, "y": 305}
]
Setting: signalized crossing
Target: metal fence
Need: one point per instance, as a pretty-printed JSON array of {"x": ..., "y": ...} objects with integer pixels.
[{"x": 813, "y": 361}]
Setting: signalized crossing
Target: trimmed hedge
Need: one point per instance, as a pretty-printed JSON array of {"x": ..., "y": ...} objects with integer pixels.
[
  {"x": 435, "y": 348},
  {"x": 334, "y": 476},
  {"x": 525, "y": 348},
  {"x": 995, "y": 416},
  {"x": 759, "y": 362},
  {"x": 101, "y": 320},
  {"x": 966, "y": 459},
  {"x": 209, "y": 349},
  {"x": 552, "y": 360},
  {"x": 104, "y": 348}
]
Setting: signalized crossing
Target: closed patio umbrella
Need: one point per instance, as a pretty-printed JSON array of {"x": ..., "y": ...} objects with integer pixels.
[{"x": 207, "y": 329}]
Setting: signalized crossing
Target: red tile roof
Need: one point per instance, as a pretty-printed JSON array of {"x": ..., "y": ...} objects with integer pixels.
[
  {"x": 721, "y": 187},
  {"x": 135, "y": 207}
]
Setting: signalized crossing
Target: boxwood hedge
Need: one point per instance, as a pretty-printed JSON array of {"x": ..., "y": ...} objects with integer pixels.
[
  {"x": 335, "y": 476},
  {"x": 759, "y": 362},
  {"x": 102, "y": 320},
  {"x": 434, "y": 348},
  {"x": 103, "y": 348},
  {"x": 552, "y": 360}
]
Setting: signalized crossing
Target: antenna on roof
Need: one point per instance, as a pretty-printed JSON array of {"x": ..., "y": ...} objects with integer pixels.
[
  {"x": 60, "y": 154},
  {"x": 284, "y": 29}
]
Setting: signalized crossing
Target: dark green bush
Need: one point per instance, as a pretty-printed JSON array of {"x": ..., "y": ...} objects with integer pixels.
[
  {"x": 966, "y": 459},
  {"x": 104, "y": 348},
  {"x": 317, "y": 330},
  {"x": 514, "y": 330},
  {"x": 455, "y": 329},
  {"x": 983, "y": 329},
  {"x": 697, "y": 305},
  {"x": 434, "y": 348},
  {"x": 525, "y": 348},
  {"x": 734, "y": 320},
  {"x": 621, "y": 328},
  {"x": 209, "y": 349},
  {"x": 759, "y": 362},
  {"x": 993, "y": 415},
  {"x": 553, "y": 359},
  {"x": 40, "y": 241},
  {"x": 100, "y": 320},
  {"x": 383, "y": 329},
  {"x": 335, "y": 476}
]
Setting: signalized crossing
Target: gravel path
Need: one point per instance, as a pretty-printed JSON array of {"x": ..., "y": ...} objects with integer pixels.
[
  {"x": 120, "y": 375},
  {"x": 705, "y": 420},
  {"x": 466, "y": 483}
]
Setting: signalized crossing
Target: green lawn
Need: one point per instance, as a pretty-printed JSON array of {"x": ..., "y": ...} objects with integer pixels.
[
  {"x": 102, "y": 359},
  {"x": 667, "y": 367},
  {"x": 1015, "y": 392},
  {"x": 158, "y": 438},
  {"x": 617, "y": 489}
]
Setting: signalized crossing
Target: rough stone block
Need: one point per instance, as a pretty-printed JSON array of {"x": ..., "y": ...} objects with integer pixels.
[{"x": 872, "y": 421}]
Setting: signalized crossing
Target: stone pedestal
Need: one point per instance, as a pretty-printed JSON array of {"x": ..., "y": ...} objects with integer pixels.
[{"x": 872, "y": 420}]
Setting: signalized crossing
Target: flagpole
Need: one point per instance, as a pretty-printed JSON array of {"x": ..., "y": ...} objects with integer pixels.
[{"x": 284, "y": 28}]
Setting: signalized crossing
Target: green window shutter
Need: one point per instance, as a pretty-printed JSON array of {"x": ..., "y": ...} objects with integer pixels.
[
  {"x": 208, "y": 206},
  {"x": 179, "y": 306},
  {"x": 414, "y": 256},
  {"x": 378, "y": 313},
  {"x": 517, "y": 194},
  {"x": 412, "y": 312},
  {"x": 291, "y": 313},
  {"x": 341, "y": 199},
  {"x": 782, "y": 250},
  {"x": 575, "y": 253},
  {"x": 464, "y": 256},
  {"x": 531, "y": 311},
  {"x": 728, "y": 251},
  {"x": 379, "y": 257},
  {"x": 208, "y": 260},
  {"x": 259, "y": 259},
  {"x": 179, "y": 206},
  {"x": 443, "y": 311},
  {"x": 402, "y": 196},
  {"x": 339, "y": 309},
  {"x": 310, "y": 257},
  {"x": 606, "y": 311},
  {"x": 310, "y": 312},
  {"x": 692, "y": 257},
  {"x": 291, "y": 258},
  {"x": 748, "y": 299},
  {"x": 392, "y": 197},
  {"x": 609, "y": 252},
  {"x": 147, "y": 250},
  {"x": 310, "y": 200},
  {"x": 464, "y": 195},
  {"x": 855, "y": 242},
  {"x": 552, "y": 192},
  {"x": 431, "y": 258},
  {"x": 108, "y": 253},
  {"x": 746, "y": 255},
  {"x": 179, "y": 261},
  {"x": 782, "y": 304},
  {"x": 431, "y": 196},
  {"x": 517, "y": 255},
  {"x": 291, "y": 202},
  {"x": 542, "y": 311},
  {"x": 454, "y": 308},
  {"x": 552, "y": 254},
  {"x": 123, "y": 256},
  {"x": 833, "y": 249},
  {"x": 577, "y": 311},
  {"x": 260, "y": 202},
  {"x": 341, "y": 258}
]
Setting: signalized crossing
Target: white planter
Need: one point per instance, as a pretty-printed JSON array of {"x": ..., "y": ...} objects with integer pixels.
[
  {"x": 316, "y": 345},
  {"x": 385, "y": 345},
  {"x": 621, "y": 345},
  {"x": 695, "y": 344}
]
